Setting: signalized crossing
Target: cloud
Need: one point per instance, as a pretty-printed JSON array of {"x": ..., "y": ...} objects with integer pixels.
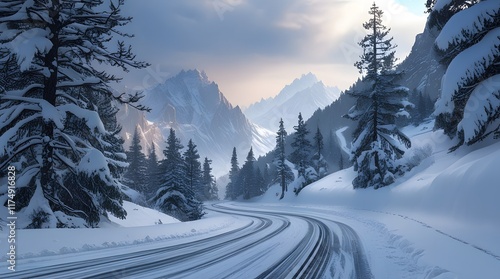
[{"x": 252, "y": 48}]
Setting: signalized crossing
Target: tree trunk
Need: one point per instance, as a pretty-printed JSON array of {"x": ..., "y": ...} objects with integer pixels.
[{"x": 49, "y": 95}]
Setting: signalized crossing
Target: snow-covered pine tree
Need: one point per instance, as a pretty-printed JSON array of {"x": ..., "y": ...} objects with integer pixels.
[
  {"x": 174, "y": 197},
  {"x": 374, "y": 147},
  {"x": 282, "y": 170},
  {"x": 440, "y": 11},
  {"x": 233, "y": 190},
  {"x": 469, "y": 43},
  {"x": 135, "y": 176},
  {"x": 210, "y": 190},
  {"x": 51, "y": 124},
  {"x": 301, "y": 153},
  {"x": 319, "y": 162},
  {"x": 192, "y": 169},
  {"x": 152, "y": 172}
]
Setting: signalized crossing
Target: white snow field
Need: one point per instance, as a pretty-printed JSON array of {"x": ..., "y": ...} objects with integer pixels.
[{"x": 441, "y": 220}]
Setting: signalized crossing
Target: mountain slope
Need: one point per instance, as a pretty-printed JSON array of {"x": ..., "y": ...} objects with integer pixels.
[
  {"x": 196, "y": 109},
  {"x": 304, "y": 95}
]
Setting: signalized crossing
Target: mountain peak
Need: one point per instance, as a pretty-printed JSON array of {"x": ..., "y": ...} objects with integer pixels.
[
  {"x": 194, "y": 74},
  {"x": 309, "y": 77}
]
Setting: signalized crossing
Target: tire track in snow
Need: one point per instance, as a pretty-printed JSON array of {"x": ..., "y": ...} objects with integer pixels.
[{"x": 309, "y": 254}]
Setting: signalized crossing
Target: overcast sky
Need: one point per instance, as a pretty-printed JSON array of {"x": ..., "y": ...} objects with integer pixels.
[{"x": 253, "y": 48}]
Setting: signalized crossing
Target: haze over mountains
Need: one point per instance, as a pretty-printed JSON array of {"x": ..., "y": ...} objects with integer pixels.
[
  {"x": 196, "y": 109},
  {"x": 305, "y": 95}
]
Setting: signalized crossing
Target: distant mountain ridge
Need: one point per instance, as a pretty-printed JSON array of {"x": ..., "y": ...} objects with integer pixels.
[
  {"x": 196, "y": 109},
  {"x": 305, "y": 95}
]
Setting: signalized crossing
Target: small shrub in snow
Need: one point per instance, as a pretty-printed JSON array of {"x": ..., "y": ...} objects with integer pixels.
[{"x": 413, "y": 158}]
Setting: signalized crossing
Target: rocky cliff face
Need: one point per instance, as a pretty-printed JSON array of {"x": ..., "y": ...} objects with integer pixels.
[
  {"x": 422, "y": 70},
  {"x": 194, "y": 106}
]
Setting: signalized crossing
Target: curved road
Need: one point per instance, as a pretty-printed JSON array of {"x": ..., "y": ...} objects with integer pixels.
[{"x": 272, "y": 244}]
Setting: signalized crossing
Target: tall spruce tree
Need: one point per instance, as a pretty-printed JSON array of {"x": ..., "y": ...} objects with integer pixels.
[
  {"x": 469, "y": 106},
  {"x": 209, "y": 186},
  {"x": 319, "y": 162},
  {"x": 152, "y": 172},
  {"x": 374, "y": 148},
  {"x": 192, "y": 169},
  {"x": 52, "y": 127},
  {"x": 301, "y": 153},
  {"x": 233, "y": 190},
  {"x": 246, "y": 177},
  {"x": 175, "y": 197},
  {"x": 282, "y": 169},
  {"x": 135, "y": 177}
]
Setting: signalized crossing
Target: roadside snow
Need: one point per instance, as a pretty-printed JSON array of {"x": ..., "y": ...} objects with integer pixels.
[{"x": 441, "y": 220}]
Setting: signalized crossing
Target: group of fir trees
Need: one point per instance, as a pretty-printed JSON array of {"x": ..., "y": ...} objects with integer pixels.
[
  {"x": 306, "y": 156},
  {"x": 57, "y": 111},
  {"x": 250, "y": 181},
  {"x": 176, "y": 185},
  {"x": 246, "y": 182}
]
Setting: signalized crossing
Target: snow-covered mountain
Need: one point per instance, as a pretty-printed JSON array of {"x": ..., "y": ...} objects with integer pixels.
[
  {"x": 305, "y": 95},
  {"x": 130, "y": 118},
  {"x": 195, "y": 107}
]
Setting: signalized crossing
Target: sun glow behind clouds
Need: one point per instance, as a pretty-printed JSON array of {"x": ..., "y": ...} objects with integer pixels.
[{"x": 252, "y": 48}]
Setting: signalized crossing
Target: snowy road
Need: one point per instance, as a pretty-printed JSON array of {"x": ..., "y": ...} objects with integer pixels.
[{"x": 268, "y": 243}]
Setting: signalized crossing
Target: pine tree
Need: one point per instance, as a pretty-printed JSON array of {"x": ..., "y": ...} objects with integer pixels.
[
  {"x": 320, "y": 165},
  {"x": 208, "y": 182},
  {"x": 135, "y": 177},
  {"x": 469, "y": 106},
  {"x": 302, "y": 147},
  {"x": 232, "y": 188},
  {"x": 246, "y": 177},
  {"x": 440, "y": 14},
  {"x": 175, "y": 197},
  {"x": 258, "y": 188},
  {"x": 192, "y": 170},
  {"x": 280, "y": 158},
  {"x": 152, "y": 172},
  {"x": 374, "y": 148},
  {"x": 55, "y": 126}
]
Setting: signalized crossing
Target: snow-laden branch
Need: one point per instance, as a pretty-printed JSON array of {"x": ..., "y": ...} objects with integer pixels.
[
  {"x": 470, "y": 64},
  {"x": 482, "y": 106},
  {"x": 464, "y": 25}
]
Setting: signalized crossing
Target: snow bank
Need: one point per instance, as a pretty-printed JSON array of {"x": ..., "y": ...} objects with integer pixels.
[
  {"x": 140, "y": 227},
  {"x": 138, "y": 216}
]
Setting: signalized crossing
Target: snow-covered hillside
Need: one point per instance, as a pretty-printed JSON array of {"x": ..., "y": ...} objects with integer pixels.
[
  {"x": 305, "y": 95},
  {"x": 444, "y": 214},
  {"x": 438, "y": 221}
]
